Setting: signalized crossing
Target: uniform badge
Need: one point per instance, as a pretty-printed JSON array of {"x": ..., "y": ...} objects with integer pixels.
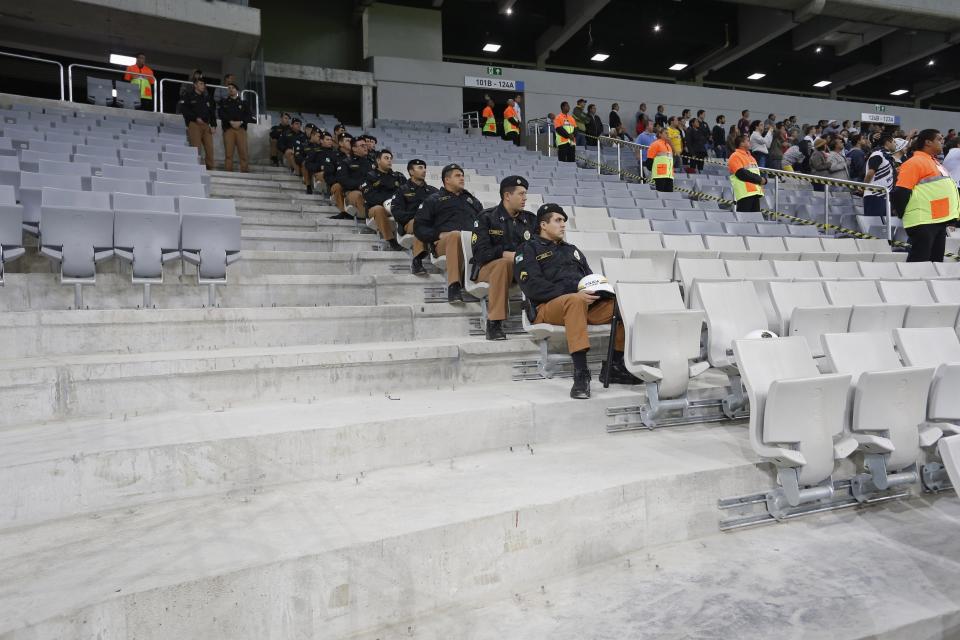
[
  {"x": 470, "y": 200},
  {"x": 476, "y": 223},
  {"x": 523, "y": 276},
  {"x": 519, "y": 258},
  {"x": 576, "y": 254},
  {"x": 526, "y": 234}
]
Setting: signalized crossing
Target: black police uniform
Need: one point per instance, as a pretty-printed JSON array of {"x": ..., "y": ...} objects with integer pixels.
[
  {"x": 546, "y": 269},
  {"x": 289, "y": 139},
  {"x": 353, "y": 172},
  {"x": 232, "y": 109},
  {"x": 444, "y": 211},
  {"x": 332, "y": 167},
  {"x": 409, "y": 196},
  {"x": 497, "y": 231},
  {"x": 201, "y": 106},
  {"x": 380, "y": 186},
  {"x": 276, "y": 131}
]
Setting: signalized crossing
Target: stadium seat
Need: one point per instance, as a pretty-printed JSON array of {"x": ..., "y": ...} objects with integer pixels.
[
  {"x": 804, "y": 310},
  {"x": 630, "y": 270},
  {"x": 922, "y": 310},
  {"x": 30, "y": 195}
]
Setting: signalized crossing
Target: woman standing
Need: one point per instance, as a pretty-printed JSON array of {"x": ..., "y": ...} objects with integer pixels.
[{"x": 760, "y": 139}]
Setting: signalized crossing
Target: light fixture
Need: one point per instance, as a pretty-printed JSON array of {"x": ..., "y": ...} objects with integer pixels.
[
  {"x": 819, "y": 49},
  {"x": 898, "y": 92},
  {"x": 822, "y": 83},
  {"x": 930, "y": 62},
  {"x": 756, "y": 76},
  {"x": 600, "y": 57},
  {"x": 656, "y": 28},
  {"x": 492, "y": 48},
  {"x": 116, "y": 58},
  {"x": 509, "y": 11},
  {"x": 678, "y": 67},
  {"x": 113, "y": 93}
]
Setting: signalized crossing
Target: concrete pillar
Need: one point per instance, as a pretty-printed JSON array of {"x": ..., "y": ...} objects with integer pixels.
[{"x": 366, "y": 107}]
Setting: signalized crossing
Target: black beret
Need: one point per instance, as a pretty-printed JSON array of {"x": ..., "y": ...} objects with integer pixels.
[
  {"x": 415, "y": 162},
  {"x": 543, "y": 213},
  {"x": 449, "y": 168},
  {"x": 513, "y": 181}
]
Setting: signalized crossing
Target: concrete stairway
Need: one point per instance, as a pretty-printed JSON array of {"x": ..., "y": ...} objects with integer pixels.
[{"x": 325, "y": 455}]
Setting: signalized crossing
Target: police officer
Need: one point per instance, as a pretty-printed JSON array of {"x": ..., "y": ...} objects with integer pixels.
[
  {"x": 350, "y": 175},
  {"x": 441, "y": 218},
  {"x": 498, "y": 234},
  {"x": 288, "y": 142},
  {"x": 380, "y": 186},
  {"x": 276, "y": 131},
  {"x": 200, "y": 115},
  {"x": 234, "y": 116},
  {"x": 307, "y": 156},
  {"x": 410, "y": 195},
  {"x": 549, "y": 270},
  {"x": 319, "y": 158}
]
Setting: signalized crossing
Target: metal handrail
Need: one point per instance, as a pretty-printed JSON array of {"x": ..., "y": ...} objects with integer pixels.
[
  {"x": 256, "y": 102},
  {"x": 107, "y": 69},
  {"x": 469, "y": 117},
  {"x": 17, "y": 55},
  {"x": 852, "y": 184},
  {"x": 534, "y": 125}
]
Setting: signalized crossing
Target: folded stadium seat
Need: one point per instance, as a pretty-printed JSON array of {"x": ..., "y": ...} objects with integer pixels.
[
  {"x": 809, "y": 248},
  {"x": 10, "y": 173},
  {"x": 741, "y": 228},
  {"x": 52, "y": 167},
  {"x": 30, "y": 195},
  {"x": 750, "y": 216},
  {"x": 690, "y": 269},
  {"x": 534, "y": 200},
  {"x": 149, "y": 164},
  {"x": 108, "y": 153},
  {"x": 790, "y": 402},
  {"x": 923, "y": 310},
  {"x": 589, "y": 201},
  {"x": 720, "y": 216},
  {"x": 590, "y": 223},
  {"x": 615, "y": 188},
  {"x": 631, "y": 225},
  {"x": 946, "y": 269},
  {"x": 662, "y": 339},
  {"x": 705, "y": 228},
  {"x": 133, "y": 154},
  {"x": 732, "y": 310},
  {"x": 659, "y": 214},
  {"x": 795, "y": 269},
  {"x": 195, "y": 190},
  {"x": 624, "y": 202},
  {"x": 147, "y": 239},
  {"x": 707, "y": 205},
  {"x": 881, "y": 249},
  {"x": 869, "y": 311},
  {"x": 750, "y": 269},
  {"x": 125, "y": 173},
  {"x": 630, "y": 270},
  {"x": 563, "y": 201},
  {"x": 689, "y": 215},
  {"x": 72, "y": 138},
  {"x": 97, "y": 140},
  {"x": 642, "y": 192},
  {"x": 683, "y": 205},
  {"x": 120, "y": 185},
  {"x": 30, "y": 160},
  {"x": 804, "y": 310},
  {"x": 589, "y": 191},
  {"x": 51, "y": 147},
  {"x": 803, "y": 230},
  {"x": 7, "y": 148},
  {"x": 672, "y": 195},
  {"x": 670, "y": 226},
  {"x": 917, "y": 270},
  {"x": 889, "y": 409},
  {"x": 183, "y": 158},
  {"x": 687, "y": 246},
  {"x": 136, "y": 202},
  {"x": 730, "y": 247},
  {"x": 184, "y": 177},
  {"x": 596, "y": 245},
  {"x": 829, "y": 269},
  {"x": 132, "y": 143},
  {"x": 11, "y": 228},
  {"x": 878, "y": 270},
  {"x": 846, "y": 248},
  {"x": 772, "y": 229}
]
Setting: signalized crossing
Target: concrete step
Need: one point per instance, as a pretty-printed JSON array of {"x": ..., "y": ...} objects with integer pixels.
[
  {"x": 33, "y": 334},
  {"x": 741, "y": 586},
  {"x": 250, "y": 193},
  {"x": 52, "y": 388},
  {"x": 55, "y": 470},
  {"x": 266, "y": 239},
  {"x": 35, "y": 291},
  {"x": 339, "y": 558}
]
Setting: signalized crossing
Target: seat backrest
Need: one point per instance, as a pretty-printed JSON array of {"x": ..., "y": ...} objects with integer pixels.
[
  {"x": 670, "y": 226},
  {"x": 765, "y": 243},
  {"x": 40, "y": 180},
  {"x": 215, "y": 206},
  {"x": 804, "y": 230},
  {"x": 52, "y": 167},
  {"x": 787, "y": 296},
  {"x": 852, "y": 292},
  {"x": 741, "y": 228},
  {"x": 733, "y": 310},
  {"x": 801, "y": 244},
  {"x": 589, "y": 223},
  {"x": 118, "y": 185},
  {"x": 917, "y": 269},
  {"x": 138, "y": 202},
  {"x": 593, "y": 239},
  {"x": 879, "y": 269},
  {"x": 725, "y": 243},
  {"x": 945, "y": 290},
  {"x": 875, "y": 245},
  {"x": 194, "y": 190},
  {"x": 705, "y": 227},
  {"x": 905, "y": 291},
  {"x": 631, "y": 241},
  {"x": 125, "y": 173},
  {"x": 646, "y": 297},
  {"x": 855, "y": 353},
  {"x": 829, "y": 269},
  {"x": 840, "y": 245},
  {"x": 692, "y": 268},
  {"x": 795, "y": 268},
  {"x": 629, "y": 270},
  {"x": 750, "y": 269},
  {"x": 927, "y": 347},
  {"x": 593, "y": 212},
  {"x": 67, "y": 198},
  {"x": 147, "y": 235},
  {"x": 683, "y": 243},
  {"x": 632, "y": 226}
]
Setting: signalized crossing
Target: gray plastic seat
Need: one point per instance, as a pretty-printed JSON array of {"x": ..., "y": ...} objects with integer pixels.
[
  {"x": 690, "y": 269},
  {"x": 804, "y": 310},
  {"x": 923, "y": 309},
  {"x": 136, "y": 202},
  {"x": 772, "y": 229},
  {"x": 184, "y": 177},
  {"x": 630, "y": 270},
  {"x": 125, "y": 173},
  {"x": 741, "y": 228},
  {"x": 133, "y": 154},
  {"x": 31, "y": 191},
  {"x": 706, "y": 228},
  {"x": 194, "y": 190},
  {"x": 211, "y": 242},
  {"x": 216, "y": 206},
  {"x": 750, "y": 216},
  {"x": 803, "y": 230},
  {"x": 732, "y": 310},
  {"x": 148, "y": 239},
  {"x": 118, "y": 185},
  {"x": 148, "y": 164},
  {"x": 11, "y": 228},
  {"x": 76, "y": 230},
  {"x": 51, "y": 167},
  {"x": 670, "y": 226}
]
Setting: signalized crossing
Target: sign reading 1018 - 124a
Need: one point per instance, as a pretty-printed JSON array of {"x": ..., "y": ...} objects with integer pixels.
[{"x": 495, "y": 83}]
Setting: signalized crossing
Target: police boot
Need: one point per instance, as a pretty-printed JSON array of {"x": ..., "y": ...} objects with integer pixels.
[
  {"x": 495, "y": 330},
  {"x": 618, "y": 373},
  {"x": 416, "y": 267},
  {"x": 341, "y": 216},
  {"x": 274, "y": 161},
  {"x": 309, "y": 189},
  {"x": 455, "y": 293},
  {"x": 394, "y": 245},
  {"x": 581, "y": 384}
]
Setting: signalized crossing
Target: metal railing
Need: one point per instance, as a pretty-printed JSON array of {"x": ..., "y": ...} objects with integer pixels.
[
  {"x": 108, "y": 70},
  {"x": 33, "y": 59},
  {"x": 534, "y": 129},
  {"x": 256, "y": 102},
  {"x": 777, "y": 174},
  {"x": 470, "y": 120}
]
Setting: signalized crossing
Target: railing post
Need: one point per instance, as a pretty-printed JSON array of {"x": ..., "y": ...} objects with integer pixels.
[
  {"x": 598, "y": 157},
  {"x": 70, "y": 82},
  {"x": 826, "y": 205},
  {"x": 889, "y": 221},
  {"x": 619, "y": 168},
  {"x": 776, "y": 194}
]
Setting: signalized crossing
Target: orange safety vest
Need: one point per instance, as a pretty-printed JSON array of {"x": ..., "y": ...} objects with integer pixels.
[
  {"x": 146, "y": 91},
  {"x": 568, "y": 124},
  {"x": 509, "y": 127},
  {"x": 489, "y": 122}
]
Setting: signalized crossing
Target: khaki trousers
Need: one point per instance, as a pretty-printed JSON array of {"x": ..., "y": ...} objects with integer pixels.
[
  {"x": 418, "y": 247},
  {"x": 449, "y": 245},
  {"x": 202, "y": 135},
  {"x": 273, "y": 148},
  {"x": 575, "y": 314},
  {"x": 356, "y": 199},
  {"x": 336, "y": 192},
  {"x": 499, "y": 274},
  {"x": 235, "y": 139},
  {"x": 382, "y": 218}
]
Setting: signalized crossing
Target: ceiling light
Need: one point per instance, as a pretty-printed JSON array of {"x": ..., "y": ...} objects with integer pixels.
[
  {"x": 930, "y": 62},
  {"x": 492, "y": 48},
  {"x": 678, "y": 67},
  {"x": 600, "y": 57},
  {"x": 116, "y": 58},
  {"x": 819, "y": 49},
  {"x": 756, "y": 76},
  {"x": 509, "y": 11},
  {"x": 822, "y": 83},
  {"x": 656, "y": 28},
  {"x": 898, "y": 92}
]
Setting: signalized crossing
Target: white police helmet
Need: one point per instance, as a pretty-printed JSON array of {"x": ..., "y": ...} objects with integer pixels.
[
  {"x": 760, "y": 334},
  {"x": 597, "y": 285}
]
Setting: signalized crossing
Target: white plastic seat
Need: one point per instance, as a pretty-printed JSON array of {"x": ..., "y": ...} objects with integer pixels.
[
  {"x": 795, "y": 268},
  {"x": 147, "y": 239},
  {"x": 917, "y": 270},
  {"x": 689, "y": 269},
  {"x": 118, "y": 185},
  {"x": 804, "y": 310},
  {"x": 923, "y": 310},
  {"x": 845, "y": 269},
  {"x": 878, "y": 270},
  {"x": 137, "y": 202},
  {"x": 868, "y": 310},
  {"x": 846, "y": 249},
  {"x": 76, "y": 230},
  {"x": 194, "y": 190},
  {"x": 630, "y": 270},
  {"x": 631, "y": 226},
  {"x": 215, "y": 206},
  {"x": 31, "y": 191},
  {"x": 809, "y": 248},
  {"x": 475, "y": 289},
  {"x": 11, "y": 228},
  {"x": 589, "y": 223},
  {"x": 732, "y": 310},
  {"x": 770, "y": 248},
  {"x": 749, "y": 269},
  {"x": 211, "y": 242},
  {"x": 52, "y": 167},
  {"x": 796, "y": 416},
  {"x": 949, "y": 269},
  {"x": 593, "y": 239},
  {"x": 729, "y": 247}
]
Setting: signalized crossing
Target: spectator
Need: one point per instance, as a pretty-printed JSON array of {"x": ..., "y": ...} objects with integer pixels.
[
  {"x": 819, "y": 162},
  {"x": 697, "y": 138},
  {"x": 580, "y": 117},
  {"x": 276, "y": 132},
  {"x": 234, "y": 116},
  {"x": 200, "y": 115},
  {"x": 793, "y": 159},
  {"x": 646, "y": 138},
  {"x": 719, "y": 139},
  {"x": 144, "y": 82},
  {"x": 777, "y": 147},
  {"x": 518, "y": 106},
  {"x": 616, "y": 125},
  {"x": 743, "y": 125},
  {"x": 684, "y": 119},
  {"x": 640, "y": 119},
  {"x": 732, "y": 139},
  {"x": 220, "y": 94},
  {"x": 881, "y": 171},
  {"x": 676, "y": 140},
  {"x": 187, "y": 88},
  {"x": 594, "y": 126},
  {"x": 760, "y": 140},
  {"x": 661, "y": 119},
  {"x": 857, "y": 157},
  {"x": 838, "y": 163},
  {"x": 951, "y": 160},
  {"x": 771, "y": 120},
  {"x": 832, "y": 128}
]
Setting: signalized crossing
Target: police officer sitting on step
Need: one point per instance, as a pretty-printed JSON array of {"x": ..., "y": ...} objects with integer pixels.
[
  {"x": 276, "y": 131},
  {"x": 319, "y": 160},
  {"x": 380, "y": 186},
  {"x": 549, "y": 271},
  {"x": 408, "y": 198},
  {"x": 441, "y": 218},
  {"x": 350, "y": 175},
  {"x": 288, "y": 143},
  {"x": 498, "y": 234}
]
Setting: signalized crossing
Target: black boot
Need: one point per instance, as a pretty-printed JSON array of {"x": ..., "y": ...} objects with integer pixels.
[
  {"x": 309, "y": 189},
  {"x": 394, "y": 245},
  {"x": 416, "y": 267},
  {"x": 581, "y": 384},
  {"x": 274, "y": 161},
  {"x": 618, "y": 373},
  {"x": 342, "y": 216},
  {"x": 455, "y": 293},
  {"x": 495, "y": 330}
]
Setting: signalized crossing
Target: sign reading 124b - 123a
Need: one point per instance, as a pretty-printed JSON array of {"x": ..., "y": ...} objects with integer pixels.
[{"x": 495, "y": 83}]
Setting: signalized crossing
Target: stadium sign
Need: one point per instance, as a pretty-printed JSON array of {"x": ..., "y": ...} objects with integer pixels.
[
  {"x": 497, "y": 84},
  {"x": 879, "y": 118}
]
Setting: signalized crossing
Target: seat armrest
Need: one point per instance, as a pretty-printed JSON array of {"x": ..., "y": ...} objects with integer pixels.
[{"x": 843, "y": 447}]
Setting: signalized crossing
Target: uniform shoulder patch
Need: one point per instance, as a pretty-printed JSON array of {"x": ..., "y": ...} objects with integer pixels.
[
  {"x": 476, "y": 223},
  {"x": 523, "y": 276},
  {"x": 576, "y": 254},
  {"x": 473, "y": 238},
  {"x": 526, "y": 234},
  {"x": 545, "y": 255},
  {"x": 519, "y": 258}
]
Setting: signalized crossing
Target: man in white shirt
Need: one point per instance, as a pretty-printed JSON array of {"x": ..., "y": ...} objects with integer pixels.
[{"x": 517, "y": 104}]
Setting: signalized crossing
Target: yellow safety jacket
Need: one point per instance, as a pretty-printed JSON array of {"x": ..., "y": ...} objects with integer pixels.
[
  {"x": 568, "y": 124},
  {"x": 490, "y": 124},
  {"x": 662, "y": 165},
  {"x": 934, "y": 199}
]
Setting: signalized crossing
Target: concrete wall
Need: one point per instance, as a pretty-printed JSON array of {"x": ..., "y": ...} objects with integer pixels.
[
  {"x": 389, "y": 29},
  {"x": 443, "y": 81},
  {"x": 322, "y": 34}
]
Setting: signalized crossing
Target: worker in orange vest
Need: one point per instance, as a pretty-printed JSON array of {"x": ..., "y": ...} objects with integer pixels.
[
  {"x": 511, "y": 124},
  {"x": 144, "y": 81},
  {"x": 488, "y": 121},
  {"x": 659, "y": 161},
  {"x": 745, "y": 178},
  {"x": 564, "y": 128}
]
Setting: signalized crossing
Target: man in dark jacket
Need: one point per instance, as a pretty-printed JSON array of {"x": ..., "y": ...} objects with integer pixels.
[
  {"x": 350, "y": 175},
  {"x": 594, "y": 128},
  {"x": 697, "y": 137},
  {"x": 441, "y": 218},
  {"x": 549, "y": 272},
  {"x": 275, "y": 132},
  {"x": 200, "y": 115},
  {"x": 497, "y": 235},
  {"x": 410, "y": 195},
  {"x": 234, "y": 115},
  {"x": 288, "y": 143},
  {"x": 319, "y": 160},
  {"x": 380, "y": 186},
  {"x": 719, "y": 137}
]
